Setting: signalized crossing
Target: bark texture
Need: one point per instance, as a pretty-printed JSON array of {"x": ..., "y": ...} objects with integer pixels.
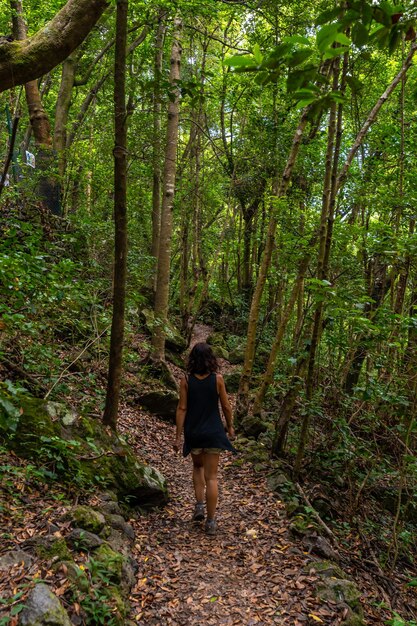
[
  {"x": 38, "y": 117},
  {"x": 164, "y": 254},
  {"x": 120, "y": 219},
  {"x": 23, "y": 61}
]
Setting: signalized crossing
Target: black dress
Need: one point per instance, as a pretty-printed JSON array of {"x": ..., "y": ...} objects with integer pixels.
[{"x": 203, "y": 426}]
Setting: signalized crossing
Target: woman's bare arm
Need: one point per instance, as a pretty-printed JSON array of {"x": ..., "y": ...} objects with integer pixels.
[
  {"x": 224, "y": 401},
  {"x": 180, "y": 414}
]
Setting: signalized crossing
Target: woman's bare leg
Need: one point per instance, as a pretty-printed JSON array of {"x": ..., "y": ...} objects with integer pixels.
[
  {"x": 198, "y": 477},
  {"x": 210, "y": 464}
]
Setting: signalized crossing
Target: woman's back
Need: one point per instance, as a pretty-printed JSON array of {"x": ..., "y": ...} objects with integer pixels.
[{"x": 203, "y": 412}]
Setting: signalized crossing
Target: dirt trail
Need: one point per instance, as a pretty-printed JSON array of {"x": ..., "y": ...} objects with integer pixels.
[{"x": 251, "y": 572}]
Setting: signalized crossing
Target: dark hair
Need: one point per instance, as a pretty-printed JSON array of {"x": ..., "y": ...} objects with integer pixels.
[{"x": 202, "y": 359}]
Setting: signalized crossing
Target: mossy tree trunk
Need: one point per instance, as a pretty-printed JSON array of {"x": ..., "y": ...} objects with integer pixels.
[
  {"x": 164, "y": 253},
  {"x": 334, "y": 140},
  {"x": 23, "y": 61},
  {"x": 243, "y": 392},
  {"x": 156, "y": 184},
  {"x": 48, "y": 186},
  {"x": 120, "y": 218},
  {"x": 62, "y": 111}
]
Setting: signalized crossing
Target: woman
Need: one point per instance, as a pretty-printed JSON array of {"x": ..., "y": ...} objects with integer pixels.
[{"x": 204, "y": 435}]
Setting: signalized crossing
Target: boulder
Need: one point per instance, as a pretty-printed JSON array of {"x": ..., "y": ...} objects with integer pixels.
[
  {"x": 232, "y": 380},
  {"x": 320, "y": 546},
  {"x": 173, "y": 339},
  {"x": 340, "y": 591},
  {"x": 87, "y": 450},
  {"x": 74, "y": 573},
  {"x": 325, "y": 569},
  {"x": 87, "y": 518},
  {"x": 50, "y": 547},
  {"x": 42, "y": 608},
  {"x": 237, "y": 355},
  {"x": 253, "y": 426},
  {"x": 161, "y": 402},
  {"x": 217, "y": 339},
  {"x": 15, "y": 557},
  {"x": 220, "y": 352},
  {"x": 81, "y": 539},
  {"x": 111, "y": 561},
  {"x": 279, "y": 482},
  {"x": 119, "y": 523}
]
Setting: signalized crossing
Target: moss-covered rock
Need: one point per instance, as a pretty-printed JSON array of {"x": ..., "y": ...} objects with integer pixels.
[
  {"x": 42, "y": 607},
  {"x": 53, "y": 548},
  {"x": 174, "y": 340},
  {"x": 353, "y": 619},
  {"x": 162, "y": 402},
  {"x": 87, "y": 518},
  {"x": 108, "y": 560},
  {"x": 325, "y": 569},
  {"x": 237, "y": 355},
  {"x": 339, "y": 590},
  {"x": 220, "y": 352},
  {"x": 116, "y": 600},
  {"x": 74, "y": 573},
  {"x": 87, "y": 452},
  {"x": 217, "y": 340},
  {"x": 253, "y": 426},
  {"x": 80, "y": 539},
  {"x": 232, "y": 381}
]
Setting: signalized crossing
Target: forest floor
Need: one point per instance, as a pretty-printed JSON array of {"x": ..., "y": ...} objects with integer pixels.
[{"x": 252, "y": 572}]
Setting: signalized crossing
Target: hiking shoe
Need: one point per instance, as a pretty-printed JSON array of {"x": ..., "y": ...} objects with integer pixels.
[
  {"x": 198, "y": 515},
  {"x": 211, "y": 527}
]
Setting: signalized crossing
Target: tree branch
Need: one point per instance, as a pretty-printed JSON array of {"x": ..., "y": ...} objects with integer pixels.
[{"x": 23, "y": 61}]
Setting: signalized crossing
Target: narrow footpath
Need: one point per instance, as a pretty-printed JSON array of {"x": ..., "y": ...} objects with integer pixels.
[{"x": 251, "y": 572}]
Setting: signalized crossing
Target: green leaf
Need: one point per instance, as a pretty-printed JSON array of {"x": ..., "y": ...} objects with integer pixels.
[
  {"x": 258, "y": 56},
  {"x": 412, "y": 583},
  {"x": 351, "y": 16},
  {"x": 305, "y": 103},
  {"x": 240, "y": 60},
  {"x": 327, "y": 16},
  {"x": 305, "y": 93},
  {"x": 343, "y": 39},
  {"x": 360, "y": 34},
  {"x": 331, "y": 53},
  {"x": 299, "y": 56},
  {"x": 326, "y": 36},
  {"x": 394, "y": 39},
  {"x": 296, "y": 39},
  {"x": 338, "y": 97},
  {"x": 354, "y": 83},
  {"x": 262, "y": 78}
]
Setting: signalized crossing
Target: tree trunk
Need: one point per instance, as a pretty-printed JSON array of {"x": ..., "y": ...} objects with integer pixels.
[
  {"x": 164, "y": 254},
  {"x": 38, "y": 117},
  {"x": 47, "y": 187},
  {"x": 23, "y": 61},
  {"x": 156, "y": 186},
  {"x": 269, "y": 373},
  {"x": 243, "y": 393},
  {"x": 61, "y": 112},
  {"x": 334, "y": 139},
  {"x": 120, "y": 218}
]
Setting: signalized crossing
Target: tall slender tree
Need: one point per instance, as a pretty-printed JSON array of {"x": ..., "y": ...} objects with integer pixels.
[
  {"x": 120, "y": 218},
  {"x": 164, "y": 253}
]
